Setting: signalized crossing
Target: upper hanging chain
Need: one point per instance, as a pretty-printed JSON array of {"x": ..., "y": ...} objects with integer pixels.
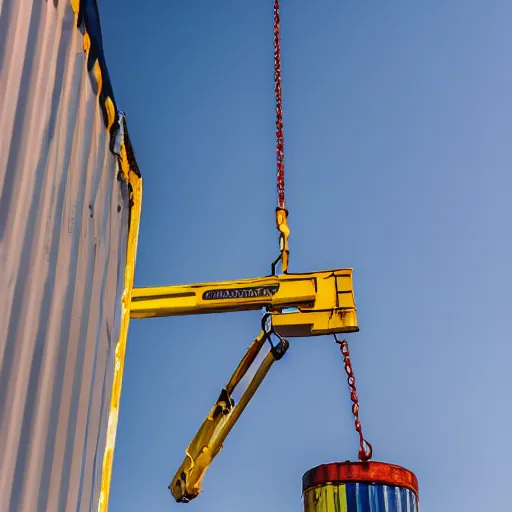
[
  {"x": 365, "y": 448},
  {"x": 279, "y": 108},
  {"x": 281, "y": 212}
]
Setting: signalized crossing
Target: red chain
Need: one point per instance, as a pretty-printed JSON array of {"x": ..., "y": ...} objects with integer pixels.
[
  {"x": 365, "y": 448},
  {"x": 279, "y": 108}
]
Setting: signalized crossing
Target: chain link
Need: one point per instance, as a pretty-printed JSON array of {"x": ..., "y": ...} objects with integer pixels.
[
  {"x": 365, "y": 448},
  {"x": 279, "y": 108}
]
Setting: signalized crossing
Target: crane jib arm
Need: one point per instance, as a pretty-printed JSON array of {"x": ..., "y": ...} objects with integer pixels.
[{"x": 306, "y": 304}]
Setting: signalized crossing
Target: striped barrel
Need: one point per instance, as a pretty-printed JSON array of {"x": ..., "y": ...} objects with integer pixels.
[{"x": 360, "y": 487}]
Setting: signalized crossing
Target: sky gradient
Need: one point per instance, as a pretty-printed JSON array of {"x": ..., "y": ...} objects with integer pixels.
[{"x": 398, "y": 164}]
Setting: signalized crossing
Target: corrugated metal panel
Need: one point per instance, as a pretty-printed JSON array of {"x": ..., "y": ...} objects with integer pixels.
[
  {"x": 360, "y": 497},
  {"x": 64, "y": 227}
]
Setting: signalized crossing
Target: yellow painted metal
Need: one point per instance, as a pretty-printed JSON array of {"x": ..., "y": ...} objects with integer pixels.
[
  {"x": 334, "y": 309},
  {"x": 327, "y": 498},
  {"x": 324, "y": 301},
  {"x": 284, "y": 234},
  {"x": 221, "y": 297},
  {"x": 135, "y": 183},
  {"x": 207, "y": 443},
  {"x": 108, "y": 103}
]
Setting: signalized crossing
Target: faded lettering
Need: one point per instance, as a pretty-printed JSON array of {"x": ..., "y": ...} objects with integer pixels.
[{"x": 241, "y": 293}]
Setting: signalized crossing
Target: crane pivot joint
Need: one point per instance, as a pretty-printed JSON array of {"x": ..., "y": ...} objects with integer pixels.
[{"x": 279, "y": 350}]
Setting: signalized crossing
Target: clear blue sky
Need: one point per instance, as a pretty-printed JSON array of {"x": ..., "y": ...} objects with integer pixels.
[{"x": 398, "y": 141}]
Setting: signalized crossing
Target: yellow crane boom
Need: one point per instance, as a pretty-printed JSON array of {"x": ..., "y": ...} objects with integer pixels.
[
  {"x": 323, "y": 301},
  {"x": 298, "y": 305},
  {"x": 208, "y": 442}
]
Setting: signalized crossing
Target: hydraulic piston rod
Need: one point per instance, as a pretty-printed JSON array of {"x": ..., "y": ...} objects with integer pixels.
[{"x": 207, "y": 443}]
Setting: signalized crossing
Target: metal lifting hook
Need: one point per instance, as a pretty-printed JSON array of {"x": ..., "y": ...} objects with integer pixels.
[
  {"x": 280, "y": 349},
  {"x": 284, "y": 235}
]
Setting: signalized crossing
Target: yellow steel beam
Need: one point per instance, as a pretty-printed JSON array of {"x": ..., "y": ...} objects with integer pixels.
[
  {"x": 207, "y": 443},
  {"x": 133, "y": 235},
  {"x": 221, "y": 297},
  {"x": 323, "y": 301}
]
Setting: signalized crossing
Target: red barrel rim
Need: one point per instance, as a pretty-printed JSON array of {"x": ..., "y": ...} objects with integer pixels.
[{"x": 367, "y": 472}]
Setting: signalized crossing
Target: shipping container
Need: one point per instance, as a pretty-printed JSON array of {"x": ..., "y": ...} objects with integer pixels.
[{"x": 70, "y": 199}]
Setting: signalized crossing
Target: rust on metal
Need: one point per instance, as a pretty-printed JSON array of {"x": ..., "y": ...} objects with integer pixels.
[
  {"x": 365, "y": 448},
  {"x": 367, "y": 472}
]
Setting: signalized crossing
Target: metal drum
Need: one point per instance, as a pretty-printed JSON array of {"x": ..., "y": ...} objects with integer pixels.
[{"x": 360, "y": 487}]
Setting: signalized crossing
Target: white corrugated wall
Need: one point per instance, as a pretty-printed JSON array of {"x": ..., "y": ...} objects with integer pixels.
[{"x": 63, "y": 238}]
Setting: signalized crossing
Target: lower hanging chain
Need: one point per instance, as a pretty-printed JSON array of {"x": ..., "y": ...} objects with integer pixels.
[{"x": 365, "y": 448}]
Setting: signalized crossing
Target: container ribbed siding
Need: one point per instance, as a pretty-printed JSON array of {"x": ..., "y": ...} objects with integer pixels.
[
  {"x": 360, "y": 497},
  {"x": 64, "y": 220},
  {"x": 360, "y": 487}
]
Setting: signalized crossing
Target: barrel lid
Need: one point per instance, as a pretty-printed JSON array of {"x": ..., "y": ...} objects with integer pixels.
[{"x": 363, "y": 472}]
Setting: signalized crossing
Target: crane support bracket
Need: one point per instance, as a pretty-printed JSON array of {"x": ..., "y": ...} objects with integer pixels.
[{"x": 304, "y": 304}]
